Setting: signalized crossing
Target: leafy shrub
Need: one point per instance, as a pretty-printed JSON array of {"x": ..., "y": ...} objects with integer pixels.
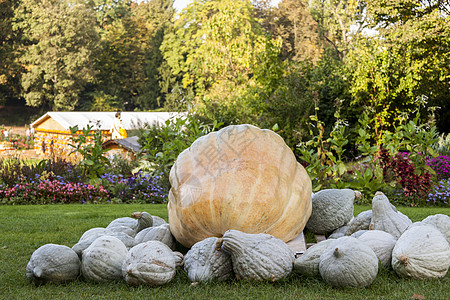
[
  {"x": 162, "y": 145},
  {"x": 89, "y": 146},
  {"x": 442, "y": 145},
  {"x": 119, "y": 166},
  {"x": 14, "y": 171},
  {"x": 399, "y": 168}
]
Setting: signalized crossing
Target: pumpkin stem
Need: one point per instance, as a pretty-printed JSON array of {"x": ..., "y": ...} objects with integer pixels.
[
  {"x": 404, "y": 260},
  {"x": 337, "y": 253},
  {"x": 219, "y": 244},
  {"x": 136, "y": 215}
]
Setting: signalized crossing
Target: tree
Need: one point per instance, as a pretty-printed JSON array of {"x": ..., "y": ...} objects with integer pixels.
[
  {"x": 420, "y": 29},
  {"x": 214, "y": 50},
  {"x": 130, "y": 58},
  {"x": 339, "y": 22},
  {"x": 156, "y": 16},
  {"x": 10, "y": 69},
  {"x": 405, "y": 68},
  {"x": 109, "y": 11},
  {"x": 59, "y": 60},
  {"x": 292, "y": 21}
]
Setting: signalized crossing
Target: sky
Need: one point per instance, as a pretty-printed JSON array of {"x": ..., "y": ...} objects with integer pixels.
[{"x": 180, "y": 4}]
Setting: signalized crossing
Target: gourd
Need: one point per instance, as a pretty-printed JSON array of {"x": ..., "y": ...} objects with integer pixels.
[
  {"x": 386, "y": 218},
  {"x": 123, "y": 229},
  {"x": 137, "y": 222},
  {"x": 348, "y": 262},
  {"x": 206, "y": 261},
  {"x": 360, "y": 222},
  {"x": 127, "y": 240},
  {"x": 150, "y": 263},
  {"x": 421, "y": 252},
  {"x": 258, "y": 256},
  {"x": 92, "y": 234},
  {"x": 381, "y": 243},
  {"x": 441, "y": 222},
  {"x": 158, "y": 221},
  {"x": 340, "y": 232},
  {"x": 53, "y": 263},
  {"x": 102, "y": 260},
  {"x": 159, "y": 233},
  {"x": 331, "y": 209},
  {"x": 308, "y": 263},
  {"x": 358, "y": 233},
  {"x": 240, "y": 177},
  {"x": 144, "y": 220},
  {"x": 89, "y": 237}
]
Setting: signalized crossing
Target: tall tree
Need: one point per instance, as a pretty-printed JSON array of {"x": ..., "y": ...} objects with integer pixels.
[
  {"x": 155, "y": 17},
  {"x": 215, "y": 50},
  {"x": 339, "y": 22},
  {"x": 59, "y": 61},
  {"x": 130, "y": 58},
  {"x": 293, "y": 22},
  {"x": 10, "y": 69},
  {"x": 406, "y": 67}
]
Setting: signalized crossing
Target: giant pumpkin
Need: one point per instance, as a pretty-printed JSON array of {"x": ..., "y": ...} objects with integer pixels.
[{"x": 241, "y": 178}]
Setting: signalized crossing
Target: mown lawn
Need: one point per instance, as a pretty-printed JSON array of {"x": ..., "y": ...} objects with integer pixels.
[{"x": 25, "y": 228}]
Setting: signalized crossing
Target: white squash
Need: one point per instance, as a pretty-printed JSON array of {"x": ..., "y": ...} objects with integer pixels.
[
  {"x": 159, "y": 233},
  {"x": 441, "y": 222},
  {"x": 206, "y": 261},
  {"x": 331, "y": 209},
  {"x": 348, "y": 262},
  {"x": 151, "y": 263},
  {"x": 308, "y": 263},
  {"x": 386, "y": 218},
  {"x": 89, "y": 237},
  {"x": 53, "y": 263},
  {"x": 258, "y": 256},
  {"x": 381, "y": 243},
  {"x": 360, "y": 222},
  {"x": 102, "y": 260},
  {"x": 421, "y": 252},
  {"x": 340, "y": 232}
]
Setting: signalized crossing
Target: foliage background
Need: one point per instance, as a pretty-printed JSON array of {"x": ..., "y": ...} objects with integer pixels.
[{"x": 232, "y": 61}]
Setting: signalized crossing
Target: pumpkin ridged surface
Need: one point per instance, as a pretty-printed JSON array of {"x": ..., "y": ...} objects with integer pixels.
[
  {"x": 242, "y": 178},
  {"x": 53, "y": 263},
  {"x": 421, "y": 252},
  {"x": 386, "y": 217},
  {"x": 205, "y": 262},
  {"x": 348, "y": 262},
  {"x": 151, "y": 263},
  {"x": 258, "y": 256},
  {"x": 102, "y": 260}
]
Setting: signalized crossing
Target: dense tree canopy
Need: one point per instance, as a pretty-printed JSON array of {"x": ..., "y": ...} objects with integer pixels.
[
  {"x": 232, "y": 60},
  {"x": 59, "y": 58}
]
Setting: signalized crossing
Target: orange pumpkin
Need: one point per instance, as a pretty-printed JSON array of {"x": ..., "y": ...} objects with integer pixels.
[{"x": 241, "y": 178}]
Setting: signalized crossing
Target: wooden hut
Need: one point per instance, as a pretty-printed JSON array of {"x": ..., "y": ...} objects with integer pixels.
[
  {"x": 52, "y": 133},
  {"x": 125, "y": 148}
]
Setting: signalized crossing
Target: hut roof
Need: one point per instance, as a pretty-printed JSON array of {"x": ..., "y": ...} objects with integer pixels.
[
  {"x": 130, "y": 143},
  {"x": 105, "y": 120}
]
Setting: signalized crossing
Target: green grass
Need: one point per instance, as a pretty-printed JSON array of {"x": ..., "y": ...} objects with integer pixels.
[{"x": 23, "y": 229}]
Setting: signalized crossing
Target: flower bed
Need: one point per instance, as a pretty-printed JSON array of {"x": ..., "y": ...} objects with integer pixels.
[{"x": 52, "y": 191}]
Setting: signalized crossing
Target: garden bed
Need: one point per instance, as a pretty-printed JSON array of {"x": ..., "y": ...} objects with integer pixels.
[{"x": 25, "y": 228}]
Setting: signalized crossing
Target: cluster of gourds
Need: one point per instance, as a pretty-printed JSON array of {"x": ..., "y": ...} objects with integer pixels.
[
  {"x": 383, "y": 236},
  {"x": 138, "y": 249},
  {"x": 238, "y": 195}
]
